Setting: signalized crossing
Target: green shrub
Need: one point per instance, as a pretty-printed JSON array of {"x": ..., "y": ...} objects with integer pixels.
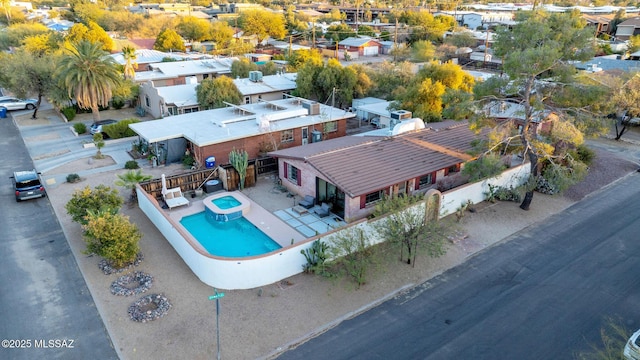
[
  {"x": 80, "y": 128},
  {"x": 131, "y": 164},
  {"x": 69, "y": 112},
  {"x": 112, "y": 236},
  {"x": 120, "y": 129},
  {"x": 73, "y": 178},
  {"x": 102, "y": 198},
  {"x": 117, "y": 104},
  {"x": 584, "y": 154}
]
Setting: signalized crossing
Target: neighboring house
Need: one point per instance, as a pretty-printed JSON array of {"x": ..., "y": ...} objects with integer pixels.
[
  {"x": 177, "y": 72},
  {"x": 258, "y": 58},
  {"x": 628, "y": 28},
  {"x": 377, "y": 112},
  {"x": 353, "y": 173},
  {"x": 601, "y": 23},
  {"x": 364, "y": 46},
  {"x": 607, "y": 63},
  {"x": 256, "y": 128},
  {"x": 475, "y": 20},
  {"x": 164, "y": 101},
  {"x": 504, "y": 110},
  {"x": 146, "y": 57}
]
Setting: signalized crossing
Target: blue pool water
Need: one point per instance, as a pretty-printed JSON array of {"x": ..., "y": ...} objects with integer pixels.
[
  {"x": 226, "y": 202},
  {"x": 236, "y": 238}
]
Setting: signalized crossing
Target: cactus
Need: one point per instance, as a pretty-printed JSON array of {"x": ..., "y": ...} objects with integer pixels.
[{"x": 240, "y": 161}]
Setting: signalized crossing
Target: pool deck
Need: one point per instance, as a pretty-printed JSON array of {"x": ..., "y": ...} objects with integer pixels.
[{"x": 273, "y": 212}]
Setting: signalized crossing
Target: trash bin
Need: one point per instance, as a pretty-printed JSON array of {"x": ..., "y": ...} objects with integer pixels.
[
  {"x": 210, "y": 162},
  {"x": 212, "y": 186},
  {"x": 3, "y": 112}
]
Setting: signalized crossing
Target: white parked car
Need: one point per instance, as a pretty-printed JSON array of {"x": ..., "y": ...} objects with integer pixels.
[
  {"x": 13, "y": 103},
  {"x": 632, "y": 348}
]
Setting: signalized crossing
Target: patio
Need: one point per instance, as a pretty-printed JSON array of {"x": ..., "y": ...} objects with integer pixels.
[
  {"x": 268, "y": 196},
  {"x": 308, "y": 223}
]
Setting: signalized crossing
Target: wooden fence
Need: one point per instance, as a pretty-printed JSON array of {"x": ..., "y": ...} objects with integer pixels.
[{"x": 187, "y": 182}]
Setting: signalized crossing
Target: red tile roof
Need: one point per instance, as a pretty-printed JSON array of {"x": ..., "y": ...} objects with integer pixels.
[{"x": 360, "y": 165}]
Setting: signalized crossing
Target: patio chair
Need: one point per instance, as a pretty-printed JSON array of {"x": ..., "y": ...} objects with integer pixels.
[
  {"x": 173, "y": 198},
  {"x": 307, "y": 202},
  {"x": 323, "y": 210}
]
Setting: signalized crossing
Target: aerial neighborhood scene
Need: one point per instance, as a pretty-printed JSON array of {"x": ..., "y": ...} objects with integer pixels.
[{"x": 320, "y": 180}]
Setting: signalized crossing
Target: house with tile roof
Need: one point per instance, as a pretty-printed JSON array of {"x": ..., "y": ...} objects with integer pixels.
[
  {"x": 353, "y": 173},
  {"x": 255, "y": 128}
]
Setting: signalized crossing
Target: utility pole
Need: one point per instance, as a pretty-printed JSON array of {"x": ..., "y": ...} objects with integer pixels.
[
  {"x": 395, "y": 42},
  {"x": 313, "y": 34},
  {"x": 290, "y": 41}
]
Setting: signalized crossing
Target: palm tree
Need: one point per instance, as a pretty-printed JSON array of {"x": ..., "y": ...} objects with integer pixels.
[
  {"x": 89, "y": 75},
  {"x": 129, "y": 180},
  {"x": 129, "y": 54}
]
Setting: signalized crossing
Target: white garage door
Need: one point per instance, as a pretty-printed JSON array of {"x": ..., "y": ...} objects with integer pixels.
[{"x": 370, "y": 50}]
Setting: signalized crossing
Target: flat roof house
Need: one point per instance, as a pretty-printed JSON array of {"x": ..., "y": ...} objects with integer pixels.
[
  {"x": 161, "y": 101},
  {"x": 256, "y": 128}
]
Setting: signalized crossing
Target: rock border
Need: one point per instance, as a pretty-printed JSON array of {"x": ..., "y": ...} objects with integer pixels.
[
  {"x": 108, "y": 269},
  {"x": 119, "y": 286},
  {"x": 137, "y": 312}
]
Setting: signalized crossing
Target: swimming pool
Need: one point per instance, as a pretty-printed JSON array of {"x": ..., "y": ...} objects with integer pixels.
[{"x": 235, "y": 238}]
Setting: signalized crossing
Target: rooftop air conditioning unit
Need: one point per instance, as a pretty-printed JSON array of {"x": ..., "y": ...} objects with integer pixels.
[
  {"x": 313, "y": 107},
  {"x": 255, "y": 76},
  {"x": 401, "y": 114}
]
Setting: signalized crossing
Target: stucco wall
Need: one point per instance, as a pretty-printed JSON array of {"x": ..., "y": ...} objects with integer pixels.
[
  {"x": 475, "y": 192},
  {"x": 224, "y": 273}
]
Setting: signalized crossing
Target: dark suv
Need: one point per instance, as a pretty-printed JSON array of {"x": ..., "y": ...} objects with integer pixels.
[{"x": 27, "y": 185}]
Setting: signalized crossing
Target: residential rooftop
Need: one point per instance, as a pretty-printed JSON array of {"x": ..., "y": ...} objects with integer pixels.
[
  {"x": 175, "y": 69},
  {"x": 215, "y": 126}
]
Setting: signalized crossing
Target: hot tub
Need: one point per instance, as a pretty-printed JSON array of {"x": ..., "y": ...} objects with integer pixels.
[{"x": 226, "y": 206}]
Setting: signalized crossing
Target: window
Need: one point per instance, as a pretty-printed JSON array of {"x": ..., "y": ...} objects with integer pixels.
[
  {"x": 205, "y": 76},
  {"x": 292, "y": 174},
  {"x": 453, "y": 169},
  {"x": 286, "y": 136},
  {"x": 331, "y": 126},
  {"x": 247, "y": 100},
  {"x": 146, "y": 101},
  {"x": 425, "y": 181},
  {"x": 373, "y": 197}
]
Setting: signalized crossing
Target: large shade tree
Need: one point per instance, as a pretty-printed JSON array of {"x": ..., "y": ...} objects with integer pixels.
[
  {"x": 213, "y": 93},
  {"x": 541, "y": 46},
  {"x": 89, "y": 75}
]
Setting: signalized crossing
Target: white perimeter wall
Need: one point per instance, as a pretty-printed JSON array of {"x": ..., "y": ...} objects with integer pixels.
[
  {"x": 225, "y": 273},
  {"x": 248, "y": 273}
]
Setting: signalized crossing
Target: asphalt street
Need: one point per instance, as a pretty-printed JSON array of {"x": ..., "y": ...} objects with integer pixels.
[
  {"x": 46, "y": 309},
  {"x": 545, "y": 294}
]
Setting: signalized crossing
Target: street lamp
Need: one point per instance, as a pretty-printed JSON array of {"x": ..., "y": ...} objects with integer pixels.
[{"x": 217, "y": 297}]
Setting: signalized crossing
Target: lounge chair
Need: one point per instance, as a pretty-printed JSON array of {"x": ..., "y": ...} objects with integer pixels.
[
  {"x": 323, "y": 210},
  {"x": 174, "y": 198},
  {"x": 307, "y": 202}
]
